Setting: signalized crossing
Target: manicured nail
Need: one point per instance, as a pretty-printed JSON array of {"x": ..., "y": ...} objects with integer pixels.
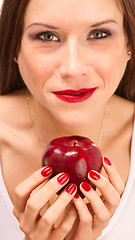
[
  {"x": 85, "y": 186},
  {"x": 46, "y": 171},
  {"x": 94, "y": 175},
  {"x": 107, "y": 161},
  {"x": 76, "y": 196},
  {"x": 63, "y": 178},
  {"x": 71, "y": 188}
]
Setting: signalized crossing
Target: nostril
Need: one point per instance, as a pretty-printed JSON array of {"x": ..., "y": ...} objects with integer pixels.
[{"x": 72, "y": 72}]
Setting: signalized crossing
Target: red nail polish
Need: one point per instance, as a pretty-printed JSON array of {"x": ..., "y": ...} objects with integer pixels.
[
  {"x": 107, "y": 161},
  {"x": 86, "y": 186},
  {"x": 76, "y": 196},
  {"x": 63, "y": 178},
  {"x": 94, "y": 175},
  {"x": 71, "y": 188},
  {"x": 46, "y": 171}
]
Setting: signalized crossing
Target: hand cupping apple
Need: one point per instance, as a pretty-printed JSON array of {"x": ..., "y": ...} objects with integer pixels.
[{"x": 75, "y": 155}]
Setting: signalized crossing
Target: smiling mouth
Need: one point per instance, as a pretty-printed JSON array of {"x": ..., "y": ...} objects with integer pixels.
[{"x": 74, "y": 96}]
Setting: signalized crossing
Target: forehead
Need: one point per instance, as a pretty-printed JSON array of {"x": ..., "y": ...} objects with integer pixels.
[{"x": 65, "y": 11}]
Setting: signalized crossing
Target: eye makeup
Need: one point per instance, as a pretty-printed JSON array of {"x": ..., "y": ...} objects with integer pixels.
[
  {"x": 47, "y": 36},
  {"x": 98, "y": 34}
]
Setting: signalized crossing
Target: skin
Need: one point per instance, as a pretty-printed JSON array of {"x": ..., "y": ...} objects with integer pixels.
[
  {"x": 74, "y": 60},
  {"x": 88, "y": 62}
]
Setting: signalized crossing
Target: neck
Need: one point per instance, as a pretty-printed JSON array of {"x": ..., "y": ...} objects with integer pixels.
[{"x": 47, "y": 127}]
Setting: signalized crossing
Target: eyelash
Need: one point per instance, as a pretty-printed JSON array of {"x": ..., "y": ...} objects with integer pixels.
[
  {"x": 40, "y": 36},
  {"x": 103, "y": 33}
]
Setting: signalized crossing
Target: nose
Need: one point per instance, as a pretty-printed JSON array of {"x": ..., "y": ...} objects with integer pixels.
[{"x": 73, "y": 63}]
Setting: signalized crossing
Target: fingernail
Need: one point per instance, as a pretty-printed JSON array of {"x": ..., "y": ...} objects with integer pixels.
[
  {"x": 63, "y": 178},
  {"x": 107, "y": 161},
  {"x": 71, "y": 188},
  {"x": 94, "y": 175},
  {"x": 46, "y": 171},
  {"x": 76, "y": 196},
  {"x": 85, "y": 186}
]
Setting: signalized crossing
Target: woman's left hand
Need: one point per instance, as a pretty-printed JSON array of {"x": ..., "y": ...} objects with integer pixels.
[
  {"x": 91, "y": 223},
  {"x": 103, "y": 207}
]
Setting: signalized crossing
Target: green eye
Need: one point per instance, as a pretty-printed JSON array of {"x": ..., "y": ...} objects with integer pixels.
[
  {"x": 99, "y": 34},
  {"x": 47, "y": 37}
]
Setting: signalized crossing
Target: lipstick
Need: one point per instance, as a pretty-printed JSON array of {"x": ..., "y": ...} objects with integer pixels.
[{"x": 74, "y": 96}]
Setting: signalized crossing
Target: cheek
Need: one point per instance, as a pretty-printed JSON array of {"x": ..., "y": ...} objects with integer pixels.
[
  {"x": 112, "y": 68},
  {"x": 35, "y": 69},
  {"x": 116, "y": 69}
]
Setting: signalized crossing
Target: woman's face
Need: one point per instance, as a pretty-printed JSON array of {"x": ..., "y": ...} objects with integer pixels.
[{"x": 73, "y": 45}]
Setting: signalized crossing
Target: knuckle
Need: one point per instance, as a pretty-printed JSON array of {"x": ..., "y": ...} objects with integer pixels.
[
  {"x": 105, "y": 218},
  {"x": 87, "y": 220},
  {"x": 65, "y": 228},
  {"x": 15, "y": 212},
  {"x": 31, "y": 205},
  {"x": 85, "y": 217},
  {"x": 47, "y": 221},
  {"x": 51, "y": 187},
  {"x": 105, "y": 184},
  {"x": 33, "y": 236},
  {"x": 18, "y": 192},
  {"x": 116, "y": 200},
  {"x": 22, "y": 226},
  {"x": 99, "y": 233},
  {"x": 120, "y": 188}
]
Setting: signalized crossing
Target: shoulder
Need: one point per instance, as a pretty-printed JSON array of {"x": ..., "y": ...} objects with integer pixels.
[
  {"x": 12, "y": 98},
  {"x": 120, "y": 116},
  {"x": 13, "y": 112},
  {"x": 121, "y": 108},
  {"x": 10, "y": 105}
]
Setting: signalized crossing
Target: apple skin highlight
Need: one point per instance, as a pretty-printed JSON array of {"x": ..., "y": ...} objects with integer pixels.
[{"x": 75, "y": 155}]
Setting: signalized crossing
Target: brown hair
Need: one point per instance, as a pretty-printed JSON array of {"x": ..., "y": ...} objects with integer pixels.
[{"x": 11, "y": 29}]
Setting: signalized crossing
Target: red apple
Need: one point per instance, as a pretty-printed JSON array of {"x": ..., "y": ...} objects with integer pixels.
[{"x": 75, "y": 155}]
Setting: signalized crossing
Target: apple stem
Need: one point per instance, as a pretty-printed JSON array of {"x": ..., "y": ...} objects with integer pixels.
[{"x": 75, "y": 142}]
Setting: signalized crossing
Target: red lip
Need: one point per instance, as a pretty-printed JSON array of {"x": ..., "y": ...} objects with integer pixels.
[{"x": 74, "y": 96}]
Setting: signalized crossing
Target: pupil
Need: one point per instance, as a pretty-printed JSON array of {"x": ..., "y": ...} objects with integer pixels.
[
  {"x": 49, "y": 37},
  {"x": 98, "y": 35}
]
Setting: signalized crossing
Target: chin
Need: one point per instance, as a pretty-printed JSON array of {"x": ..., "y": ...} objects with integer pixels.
[
  {"x": 72, "y": 118},
  {"x": 74, "y": 123}
]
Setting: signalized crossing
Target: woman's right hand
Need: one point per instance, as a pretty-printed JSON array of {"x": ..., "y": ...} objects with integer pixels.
[{"x": 31, "y": 204}]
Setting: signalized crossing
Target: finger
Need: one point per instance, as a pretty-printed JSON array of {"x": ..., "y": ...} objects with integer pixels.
[
  {"x": 52, "y": 214},
  {"x": 39, "y": 199},
  {"x": 23, "y": 190},
  {"x": 113, "y": 175},
  {"x": 110, "y": 195},
  {"x": 85, "y": 224},
  {"x": 65, "y": 226},
  {"x": 26, "y": 238},
  {"x": 101, "y": 213}
]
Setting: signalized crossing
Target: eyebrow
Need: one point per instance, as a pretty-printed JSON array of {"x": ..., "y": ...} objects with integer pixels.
[
  {"x": 104, "y": 22},
  {"x": 56, "y": 28},
  {"x": 42, "y": 25}
]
